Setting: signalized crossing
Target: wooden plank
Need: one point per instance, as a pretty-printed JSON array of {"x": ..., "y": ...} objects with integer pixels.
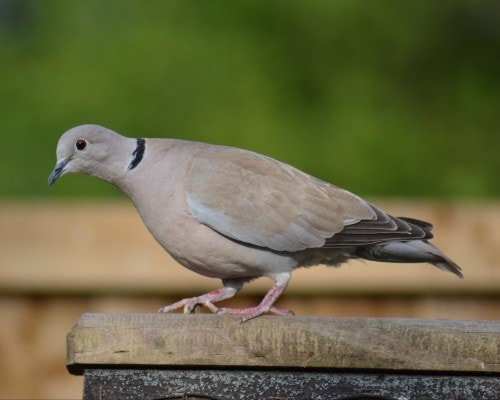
[
  {"x": 149, "y": 340},
  {"x": 103, "y": 247}
]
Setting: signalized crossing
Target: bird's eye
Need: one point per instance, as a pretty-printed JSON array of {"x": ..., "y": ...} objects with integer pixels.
[{"x": 80, "y": 144}]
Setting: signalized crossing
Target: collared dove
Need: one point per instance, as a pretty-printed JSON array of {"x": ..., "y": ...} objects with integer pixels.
[{"x": 236, "y": 215}]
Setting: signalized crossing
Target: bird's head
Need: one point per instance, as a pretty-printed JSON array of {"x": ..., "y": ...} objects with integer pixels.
[{"x": 91, "y": 150}]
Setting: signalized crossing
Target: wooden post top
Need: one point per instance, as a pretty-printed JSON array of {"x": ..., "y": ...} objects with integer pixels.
[{"x": 218, "y": 341}]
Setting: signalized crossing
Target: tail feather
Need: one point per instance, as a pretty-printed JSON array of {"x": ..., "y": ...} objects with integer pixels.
[{"x": 409, "y": 252}]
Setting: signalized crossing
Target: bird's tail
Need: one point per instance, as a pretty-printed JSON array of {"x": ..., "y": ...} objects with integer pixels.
[{"x": 414, "y": 251}]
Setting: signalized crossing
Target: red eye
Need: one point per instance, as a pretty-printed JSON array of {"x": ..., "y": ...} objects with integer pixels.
[{"x": 81, "y": 144}]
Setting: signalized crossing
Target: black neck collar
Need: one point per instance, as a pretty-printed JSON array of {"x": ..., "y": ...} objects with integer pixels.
[{"x": 137, "y": 154}]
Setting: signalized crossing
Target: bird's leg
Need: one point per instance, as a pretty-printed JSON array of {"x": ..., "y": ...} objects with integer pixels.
[
  {"x": 230, "y": 288},
  {"x": 266, "y": 305}
]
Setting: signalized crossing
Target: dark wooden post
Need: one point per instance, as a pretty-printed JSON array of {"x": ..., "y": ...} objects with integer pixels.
[{"x": 176, "y": 356}]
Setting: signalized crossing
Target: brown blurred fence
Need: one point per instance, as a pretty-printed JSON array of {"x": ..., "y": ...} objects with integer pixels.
[{"x": 58, "y": 260}]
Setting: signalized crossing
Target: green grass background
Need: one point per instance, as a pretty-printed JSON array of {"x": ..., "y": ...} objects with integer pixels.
[{"x": 384, "y": 98}]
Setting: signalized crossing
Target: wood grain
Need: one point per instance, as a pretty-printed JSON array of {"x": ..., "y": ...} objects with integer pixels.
[{"x": 152, "y": 340}]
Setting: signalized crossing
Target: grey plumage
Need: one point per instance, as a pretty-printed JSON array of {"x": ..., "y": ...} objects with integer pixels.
[{"x": 237, "y": 215}]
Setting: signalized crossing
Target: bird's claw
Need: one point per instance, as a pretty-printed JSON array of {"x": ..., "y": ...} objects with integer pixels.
[{"x": 191, "y": 308}]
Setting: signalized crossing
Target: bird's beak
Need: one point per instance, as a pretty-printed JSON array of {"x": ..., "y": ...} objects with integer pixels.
[{"x": 59, "y": 169}]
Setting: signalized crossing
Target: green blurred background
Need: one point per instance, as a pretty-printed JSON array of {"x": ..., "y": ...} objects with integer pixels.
[{"x": 384, "y": 98}]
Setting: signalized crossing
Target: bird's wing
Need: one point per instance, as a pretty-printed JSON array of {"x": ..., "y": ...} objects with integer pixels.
[
  {"x": 263, "y": 202},
  {"x": 383, "y": 228}
]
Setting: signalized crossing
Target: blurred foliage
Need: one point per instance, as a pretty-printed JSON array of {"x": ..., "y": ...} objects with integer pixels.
[{"x": 380, "y": 97}]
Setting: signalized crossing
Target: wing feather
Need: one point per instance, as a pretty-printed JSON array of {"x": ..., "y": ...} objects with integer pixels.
[
  {"x": 383, "y": 229},
  {"x": 263, "y": 202}
]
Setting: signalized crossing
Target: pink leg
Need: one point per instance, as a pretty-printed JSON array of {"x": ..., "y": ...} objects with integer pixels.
[
  {"x": 206, "y": 300},
  {"x": 266, "y": 305}
]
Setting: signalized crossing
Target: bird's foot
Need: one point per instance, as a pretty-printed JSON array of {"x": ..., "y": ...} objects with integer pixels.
[
  {"x": 266, "y": 305},
  {"x": 253, "y": 312},
  {"x": 191, "y": 304}
]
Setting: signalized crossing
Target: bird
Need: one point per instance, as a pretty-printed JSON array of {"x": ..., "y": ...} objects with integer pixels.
[{"x": 236, "y": 215}]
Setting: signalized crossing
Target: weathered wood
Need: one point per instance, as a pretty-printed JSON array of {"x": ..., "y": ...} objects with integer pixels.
[
  {"x": 166, "y": 340},
  {"x": 197, "y": 384}
]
